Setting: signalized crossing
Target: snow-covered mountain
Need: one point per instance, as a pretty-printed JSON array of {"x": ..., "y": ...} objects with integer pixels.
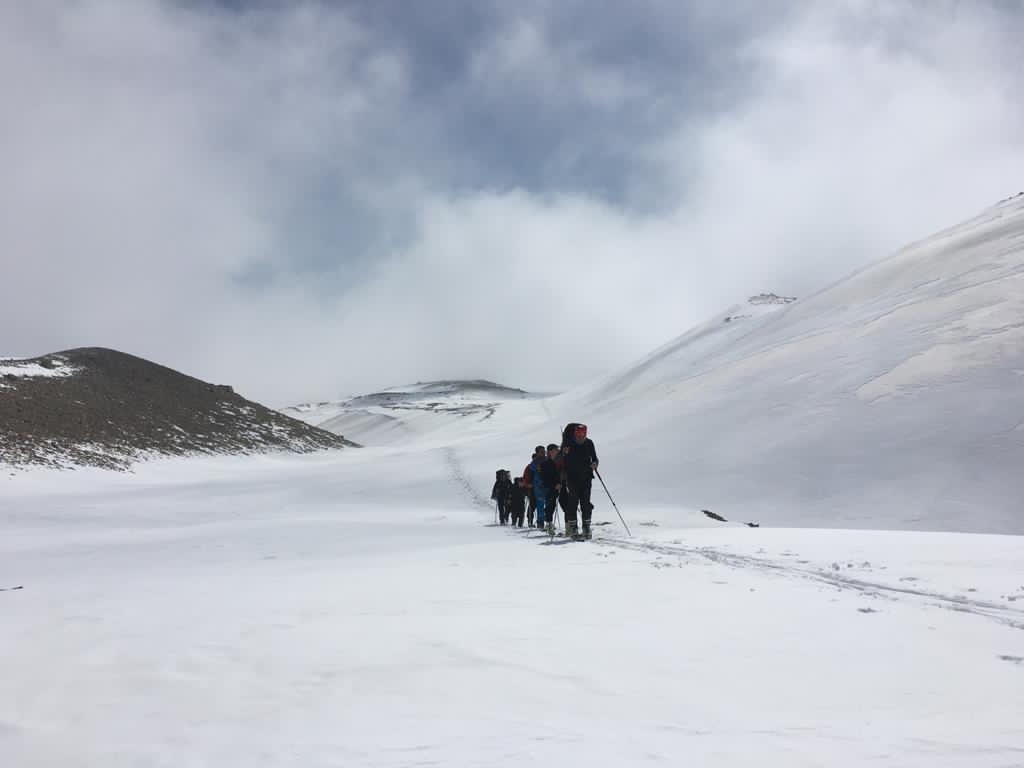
[
  {"x": 400, "y": 414},
  {"x": 891, "y": 399}
]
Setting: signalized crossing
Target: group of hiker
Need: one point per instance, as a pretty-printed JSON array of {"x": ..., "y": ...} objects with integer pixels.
[{"x": 559, "y": 475}]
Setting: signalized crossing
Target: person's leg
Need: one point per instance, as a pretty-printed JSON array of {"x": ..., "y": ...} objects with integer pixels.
[
  {"x": 542, "y": 498},
  {"x": 569, "y": 504},
  {"x": 532, "y": 508},
  {"x": 565, "y": 500},
  {"x": 586, "y": 507}
]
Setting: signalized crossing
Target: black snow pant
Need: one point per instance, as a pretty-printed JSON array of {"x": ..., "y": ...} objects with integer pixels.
[
  {"x": 503, "y": 511},
  {"x": 517, "y": 515},
  {"x": 549, "y": 505},
  {"x": 563, "y": 498},
  {"x": 532, "y": 509},
  {"x": 579, "y": 498}
]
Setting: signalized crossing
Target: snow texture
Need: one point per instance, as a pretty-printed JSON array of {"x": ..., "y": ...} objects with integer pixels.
[
  {"x": 13, "y": 367},
  {"x": 357, "y": 608}
]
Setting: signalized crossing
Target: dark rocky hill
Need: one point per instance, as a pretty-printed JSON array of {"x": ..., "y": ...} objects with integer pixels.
[{"x": 105, "y": 408}]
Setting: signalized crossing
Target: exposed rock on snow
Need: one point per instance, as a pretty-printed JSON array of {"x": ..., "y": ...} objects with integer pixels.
[
  {"x": 770, "y": 298},
  {"x": 105, "y": 408}
]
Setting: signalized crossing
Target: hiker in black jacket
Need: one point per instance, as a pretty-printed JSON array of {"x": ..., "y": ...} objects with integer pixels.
[
  {"x": 580, "y": 460},
  {"x": 557, "y": 493},
  {"x": 517, "y": 502},
  {"x": 500, "y": 494}
]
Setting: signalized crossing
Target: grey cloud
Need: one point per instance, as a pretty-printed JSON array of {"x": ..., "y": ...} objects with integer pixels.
[{"x": 324, "y": 198}]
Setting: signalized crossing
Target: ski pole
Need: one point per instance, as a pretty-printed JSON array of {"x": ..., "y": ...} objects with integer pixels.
[{"x": 613, "y": 502}]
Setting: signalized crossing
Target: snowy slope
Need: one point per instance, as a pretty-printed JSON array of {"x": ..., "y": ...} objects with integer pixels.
[
  {"x": 354, "y": 608},
  {"x": 892, "y": 399}
]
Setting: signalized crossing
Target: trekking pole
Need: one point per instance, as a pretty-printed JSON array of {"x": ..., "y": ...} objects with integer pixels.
[{"x": 613, "y": 502}]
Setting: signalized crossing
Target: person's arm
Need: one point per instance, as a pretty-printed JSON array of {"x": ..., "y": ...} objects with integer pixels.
[{"x": 593, "y": 455}]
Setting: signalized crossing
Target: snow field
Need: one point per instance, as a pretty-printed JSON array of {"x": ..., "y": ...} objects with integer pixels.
[{"x": 358, "y": 609}]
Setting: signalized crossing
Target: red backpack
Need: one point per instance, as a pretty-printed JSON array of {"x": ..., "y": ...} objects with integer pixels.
[{"x": 569, "y": 434}]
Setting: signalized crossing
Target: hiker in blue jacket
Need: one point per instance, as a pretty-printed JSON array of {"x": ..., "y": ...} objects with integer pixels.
[{"x": 546, "y": 484}]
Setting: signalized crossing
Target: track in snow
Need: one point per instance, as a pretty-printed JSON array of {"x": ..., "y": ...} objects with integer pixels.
[
  {"x": 458, "y": 477},
  {"x": 830, "y": 577},
  {"x": 1011, "y": 617}
]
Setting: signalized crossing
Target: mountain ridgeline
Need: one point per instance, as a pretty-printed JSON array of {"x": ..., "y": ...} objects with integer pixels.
[{"x": 99, "y": 407}]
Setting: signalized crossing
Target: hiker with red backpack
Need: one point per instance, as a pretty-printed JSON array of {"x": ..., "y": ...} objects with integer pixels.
[{"x": 579, "y": 457}]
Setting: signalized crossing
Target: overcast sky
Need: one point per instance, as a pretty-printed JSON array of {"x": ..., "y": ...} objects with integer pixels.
[{"x": 312, "y": 199}]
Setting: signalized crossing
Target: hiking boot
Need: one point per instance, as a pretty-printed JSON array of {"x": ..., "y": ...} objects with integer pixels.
[
  {"x": 570, "y": 530},
  {"x": 550, "y": 529},
  {"x": 586, "y": 533}
]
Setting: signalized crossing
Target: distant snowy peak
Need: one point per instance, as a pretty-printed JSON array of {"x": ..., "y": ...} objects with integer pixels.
[
  {"x": 313, "y": 413},
  {"x": 396, "y": 413},
  {"x": 456, "y": 386},
  {"x": 433, "y": 394}
]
